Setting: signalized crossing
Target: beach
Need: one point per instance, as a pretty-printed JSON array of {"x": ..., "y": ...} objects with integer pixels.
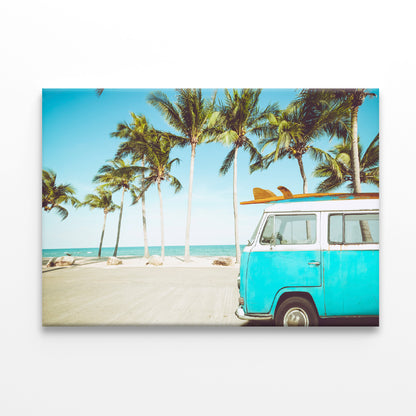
[{"x": 92, "y": 293}]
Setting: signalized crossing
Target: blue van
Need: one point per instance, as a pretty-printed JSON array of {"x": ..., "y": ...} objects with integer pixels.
[{"x": 311, "y": 257}]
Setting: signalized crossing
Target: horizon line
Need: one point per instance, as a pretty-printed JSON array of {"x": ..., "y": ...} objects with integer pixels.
[{"x": 171, "y": 245}]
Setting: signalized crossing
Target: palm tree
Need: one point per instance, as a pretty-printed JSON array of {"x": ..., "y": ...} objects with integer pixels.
[
  {"x": 337, "y": 168},
  {"x": 294, "y": 130},
  {"x": 54, "y": 195},
  {"x": 116, "y": 175},
  {"x": 351, "y": 99},
  {"x": 189, "y": 116},
  {"x": 157, "y": 148},
  {"x": 133, "y": 132},
  {"x": 103, "y": 201},
  {"x": 238, "y": 116}
]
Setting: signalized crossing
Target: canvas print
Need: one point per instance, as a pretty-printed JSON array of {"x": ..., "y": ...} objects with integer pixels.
[{"x": 239, "y": 207}]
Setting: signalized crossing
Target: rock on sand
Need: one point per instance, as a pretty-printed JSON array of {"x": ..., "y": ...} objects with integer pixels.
[
  {"x": 113, "y": 261},
  {"x": 61, "y": 261},
  {"x": 51, "y": 262},
  {"x": 223, "y": 261},
  {"x": 155, "y": 261}
]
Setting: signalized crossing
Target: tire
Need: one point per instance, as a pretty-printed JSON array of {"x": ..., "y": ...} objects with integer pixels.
[{"x": 296, "y": 311}]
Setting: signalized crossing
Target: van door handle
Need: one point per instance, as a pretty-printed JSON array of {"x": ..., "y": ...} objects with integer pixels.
[{"x": 314, "y": 263}]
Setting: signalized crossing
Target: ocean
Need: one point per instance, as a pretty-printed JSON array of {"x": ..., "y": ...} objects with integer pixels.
[{"x": 218, "y": 250}]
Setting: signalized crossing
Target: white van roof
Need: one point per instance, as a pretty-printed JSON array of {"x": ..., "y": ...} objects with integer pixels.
[
  {"x": 314, "y": 201},
  {"x": 323, "y": 204}
]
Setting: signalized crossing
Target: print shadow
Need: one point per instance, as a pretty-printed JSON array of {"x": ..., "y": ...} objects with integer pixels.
[{"x": 332, "y": 322}]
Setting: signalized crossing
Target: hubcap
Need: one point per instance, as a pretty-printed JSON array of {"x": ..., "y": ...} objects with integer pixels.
[{"x": 296, "y": 317}]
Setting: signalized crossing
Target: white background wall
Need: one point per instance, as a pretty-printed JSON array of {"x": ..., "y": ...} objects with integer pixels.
[{"x": 204, "y": 371}]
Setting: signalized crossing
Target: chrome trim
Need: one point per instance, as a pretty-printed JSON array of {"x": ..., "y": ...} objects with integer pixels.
[
  {"x": 239, "y": 313},
  {"x": 294, "y": 316}
]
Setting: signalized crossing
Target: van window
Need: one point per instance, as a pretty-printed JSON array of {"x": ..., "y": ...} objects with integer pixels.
[
  {"x": 336, "y": 228},
  {"x": 289, "y": 230},
  {"x": 251, "y": 241},
  {"x": 353, "y": 228}
]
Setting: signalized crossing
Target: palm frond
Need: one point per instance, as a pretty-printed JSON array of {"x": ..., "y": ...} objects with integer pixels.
[
  {"x": 338, "y": 168},
  {"x": 318, "y": 154},
  {"x": 137, "y": 193},
  {"x": 102, "y": 200},
  {"x": 258, "y": 164},
  {"x": 161, "y": 102},
  {"x": 54, "y": 195},
  {"x": 228, "y": 161},
  {"x": 175, "y": 183},
  {"x": 255, "y": 155},
  {"x": 371, "y": 156},
  {"x": 329, "y": 184},
  {"x": 62, "y": 212}
]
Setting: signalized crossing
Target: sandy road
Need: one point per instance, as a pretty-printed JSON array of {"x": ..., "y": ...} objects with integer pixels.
[
  {"x": 92, "y": 293},
  {"x": 82, "y": 295}
]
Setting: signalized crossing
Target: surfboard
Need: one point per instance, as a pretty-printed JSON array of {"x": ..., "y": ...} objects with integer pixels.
[{"x": 262, "y": 196}]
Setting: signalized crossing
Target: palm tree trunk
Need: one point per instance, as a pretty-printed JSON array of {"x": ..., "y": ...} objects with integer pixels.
[
  {"x": 302, "y": 173},
  {"x": 365, "y": 232},
  {"x": 235, "y": 204},
  {"x": 119, "y": 222},
  {"x": 188, "y": 216},
  {"x": 354, "y": 150},
  {"x": 102, "y": 234},
  {"x": 355, "y": 162},
  {"x": 305, "y": 191},
  {"x": 162, "y": 231},
  {"x": 145, "y": 240}
]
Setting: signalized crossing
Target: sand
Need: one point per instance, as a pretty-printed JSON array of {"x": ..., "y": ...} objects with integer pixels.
[{"x": 177, "y": 293}]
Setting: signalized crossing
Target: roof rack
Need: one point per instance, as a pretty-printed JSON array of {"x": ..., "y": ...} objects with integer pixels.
[{"x": 262, "y": 196}]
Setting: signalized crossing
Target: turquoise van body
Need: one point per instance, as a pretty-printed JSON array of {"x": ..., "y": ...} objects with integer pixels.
[{"x": 326, "y": 252}]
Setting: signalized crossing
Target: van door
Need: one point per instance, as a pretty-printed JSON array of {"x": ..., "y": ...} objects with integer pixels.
[
  {"x": 351, "y": 264},
  {"x": 286, "y": 254}
]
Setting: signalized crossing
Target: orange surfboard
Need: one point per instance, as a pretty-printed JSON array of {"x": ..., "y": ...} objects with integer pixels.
[{"x": 262, "y": 196}]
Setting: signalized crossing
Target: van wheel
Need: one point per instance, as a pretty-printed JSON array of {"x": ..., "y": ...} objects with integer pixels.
[{"x": 296, "y": 311}]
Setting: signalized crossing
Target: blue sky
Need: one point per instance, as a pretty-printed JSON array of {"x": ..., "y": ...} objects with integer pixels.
[{"x": 76, "y": 142}]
